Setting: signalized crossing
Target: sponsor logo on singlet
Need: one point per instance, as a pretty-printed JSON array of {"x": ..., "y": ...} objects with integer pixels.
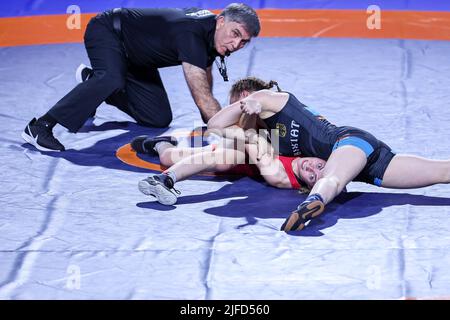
[
  {"x": 281, "y": 130},
  {"x": 294, "y": 138}
]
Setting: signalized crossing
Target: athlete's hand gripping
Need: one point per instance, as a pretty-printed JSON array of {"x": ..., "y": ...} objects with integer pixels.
[{"x": 250, "y": 106}]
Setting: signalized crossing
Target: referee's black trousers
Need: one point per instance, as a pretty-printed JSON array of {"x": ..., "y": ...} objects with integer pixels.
[{"x": 137, "y": 91}]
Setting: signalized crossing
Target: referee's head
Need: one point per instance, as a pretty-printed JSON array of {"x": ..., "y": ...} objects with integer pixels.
[{"x": 236, "y": 25}]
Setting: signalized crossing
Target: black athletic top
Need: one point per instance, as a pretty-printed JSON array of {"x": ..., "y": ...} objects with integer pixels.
[
  {"x": 303, "y": 132},
  {"x": 167, "y": 37}
]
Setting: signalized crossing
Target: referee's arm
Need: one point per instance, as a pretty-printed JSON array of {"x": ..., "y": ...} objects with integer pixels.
[{"x": 200, "y": 85}]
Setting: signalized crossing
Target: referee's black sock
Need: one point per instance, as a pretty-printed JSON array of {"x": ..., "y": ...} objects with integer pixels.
[{"x": 49, "y": 121}]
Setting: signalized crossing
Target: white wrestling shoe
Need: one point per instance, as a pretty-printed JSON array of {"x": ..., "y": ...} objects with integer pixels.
[{"x": 161, "y": 187}]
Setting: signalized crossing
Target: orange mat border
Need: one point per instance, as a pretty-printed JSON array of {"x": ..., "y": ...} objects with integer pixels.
[{"x": 425, "y": 25}]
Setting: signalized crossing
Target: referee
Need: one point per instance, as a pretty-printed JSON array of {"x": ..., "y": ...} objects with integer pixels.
[{"x": 126, "y": 47}]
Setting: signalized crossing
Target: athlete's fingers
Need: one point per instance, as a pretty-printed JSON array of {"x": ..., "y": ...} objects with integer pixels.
[{"x": 249, "y": 109}]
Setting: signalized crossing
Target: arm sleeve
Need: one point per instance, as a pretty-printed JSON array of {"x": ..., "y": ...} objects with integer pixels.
[{"x": 192, "y": 49}]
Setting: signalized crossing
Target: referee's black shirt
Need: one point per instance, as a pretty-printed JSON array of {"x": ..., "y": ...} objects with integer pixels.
[{"x": 167, "y": 37}]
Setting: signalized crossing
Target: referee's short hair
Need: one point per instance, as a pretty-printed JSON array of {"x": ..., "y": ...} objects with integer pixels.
[{"x": 242, "y": 14}]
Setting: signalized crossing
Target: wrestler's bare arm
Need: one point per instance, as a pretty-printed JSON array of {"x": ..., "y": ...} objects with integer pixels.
[
  {"x": 266, "y": 101},
  {"x": 262, "y": 154}
]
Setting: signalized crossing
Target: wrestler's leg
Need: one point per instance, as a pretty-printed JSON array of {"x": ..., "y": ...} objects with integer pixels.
[
  {"x": 161, "y": 186},
  {"x": 408, "y": 171},
  {"x": 344, "y": 164},
  {"x": 219, "y": 159},
  {"x": 169, "y": 154}
]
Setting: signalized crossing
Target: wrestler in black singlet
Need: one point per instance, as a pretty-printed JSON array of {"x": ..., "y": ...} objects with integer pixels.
[{"x": 303, "y": 132}]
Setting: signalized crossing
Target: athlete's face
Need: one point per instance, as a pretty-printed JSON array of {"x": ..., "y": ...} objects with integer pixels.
[
  {"x": 310, "y": 170},
  {"x": 230, "y": 36}
]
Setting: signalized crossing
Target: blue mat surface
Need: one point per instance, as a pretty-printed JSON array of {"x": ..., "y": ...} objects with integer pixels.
[{"x": 74, "y": 226}]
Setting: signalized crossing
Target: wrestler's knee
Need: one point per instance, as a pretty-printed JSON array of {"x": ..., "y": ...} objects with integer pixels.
[
  {"x": 166, "y": 158},
  {"x": 333, "y": 182}
]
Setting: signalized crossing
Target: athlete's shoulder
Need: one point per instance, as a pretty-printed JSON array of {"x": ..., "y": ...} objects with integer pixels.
[{"x": 268, "y": 93}]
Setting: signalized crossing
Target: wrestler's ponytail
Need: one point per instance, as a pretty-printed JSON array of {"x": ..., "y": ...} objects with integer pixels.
[{"x": 273, "y": 83}]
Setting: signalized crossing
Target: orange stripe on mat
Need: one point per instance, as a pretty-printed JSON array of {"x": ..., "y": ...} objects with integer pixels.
[
  {"x": 40, "y": 30},
  {"x": 129, "y": 156},
  {"x": 426, "y": 25}
]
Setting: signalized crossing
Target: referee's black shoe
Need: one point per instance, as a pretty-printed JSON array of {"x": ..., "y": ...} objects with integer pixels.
[
  {"x": 83, "y": 73},
  {"x": 146, "y": 144},
  {"x": 39, "y": 134}
]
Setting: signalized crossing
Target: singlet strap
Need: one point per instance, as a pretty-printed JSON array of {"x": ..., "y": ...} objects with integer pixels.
[{"x": 287, "y": 164}]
